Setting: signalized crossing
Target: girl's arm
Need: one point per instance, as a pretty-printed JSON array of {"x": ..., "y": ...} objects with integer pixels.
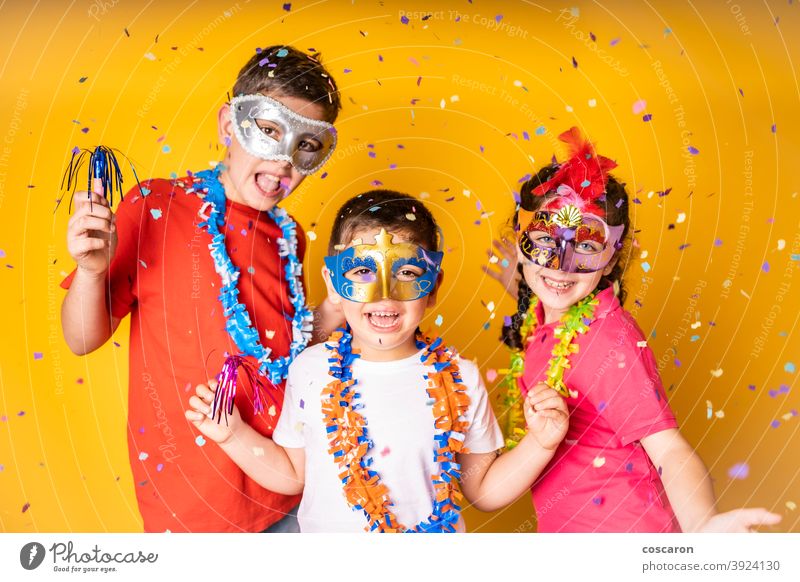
[
  {"x": 690, "y": 491},
  {"x": 490, "y": 482},
  {"x": 268, "y": 464}
]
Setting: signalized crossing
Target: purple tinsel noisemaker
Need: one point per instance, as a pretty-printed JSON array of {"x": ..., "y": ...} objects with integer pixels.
[{"x": 228, "y": 380}]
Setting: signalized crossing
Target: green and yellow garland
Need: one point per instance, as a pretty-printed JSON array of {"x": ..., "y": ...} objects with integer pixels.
[{"x": 576, "y": 321}]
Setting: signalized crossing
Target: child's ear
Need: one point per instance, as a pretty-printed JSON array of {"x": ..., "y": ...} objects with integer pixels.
[
  {"x": 333, "y": 296},
  {"x": 610, "y": 266},
  {"x": 224, "y": 126},
  {"x": 432, "y": 295}
]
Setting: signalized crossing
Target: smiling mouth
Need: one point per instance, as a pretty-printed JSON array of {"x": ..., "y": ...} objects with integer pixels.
[
  {"x": 557, "y": 285},
  {"x": 383, "y": 320}
]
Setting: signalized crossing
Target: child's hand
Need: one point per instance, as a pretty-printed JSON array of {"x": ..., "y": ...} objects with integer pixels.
[
  {"x": 740, "y": 521},
  {"x": 200, "y": 405},
  {"x": 91, "y": 233},
  {"x": 506, "y": 273},
  {"x": 547, "y": 416}
]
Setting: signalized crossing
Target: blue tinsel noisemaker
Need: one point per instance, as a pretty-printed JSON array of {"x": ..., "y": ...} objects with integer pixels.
[{"x": 103, "y": 165}]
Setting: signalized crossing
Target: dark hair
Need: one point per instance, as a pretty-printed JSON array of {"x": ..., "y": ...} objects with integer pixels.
[
  {"x": 387, "y": 209},
  {"x": 284, "y": 70},
  {"x": 615, "y": 204}
]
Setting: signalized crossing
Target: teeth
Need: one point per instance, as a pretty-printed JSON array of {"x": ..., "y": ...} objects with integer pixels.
[
  {"x": 558, "y": 284},
  {"x": 385, "y": 319}
]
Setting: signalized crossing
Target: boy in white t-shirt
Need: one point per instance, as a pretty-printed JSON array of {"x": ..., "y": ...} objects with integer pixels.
[{"x": 381, "y": 424}]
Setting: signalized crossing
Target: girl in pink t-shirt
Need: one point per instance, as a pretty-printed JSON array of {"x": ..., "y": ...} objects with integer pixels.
[{"x": 623, "y": 465}]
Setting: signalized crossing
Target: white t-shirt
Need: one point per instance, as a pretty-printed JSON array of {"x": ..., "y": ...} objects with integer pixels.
[{"x": 400, "y": 424}]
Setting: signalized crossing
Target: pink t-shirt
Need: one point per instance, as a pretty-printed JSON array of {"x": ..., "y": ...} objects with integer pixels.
[{"x": 601, "y": 479}]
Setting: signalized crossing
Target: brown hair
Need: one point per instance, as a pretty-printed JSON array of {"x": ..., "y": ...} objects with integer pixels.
[
  {"x": 387, "y": 209},
  {"x": 285, "y": 70}
]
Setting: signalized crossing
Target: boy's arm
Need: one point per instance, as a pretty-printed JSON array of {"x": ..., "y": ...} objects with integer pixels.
[
  {"x": 91, "y": 240},
  {"x": 267, "y": 463},
  {"x": 689, "y": 489},
  {"x": 327, "y": 317},
  {"x": 85, "y": 318},
  {"x": 490, "y": 482}
]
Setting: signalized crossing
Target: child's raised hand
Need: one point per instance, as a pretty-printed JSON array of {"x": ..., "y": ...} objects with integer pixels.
[
  {"x": 200, "y": 408},
  {"x": 740, "y": 521},
  {"x": 91, "y": 233},
  {"x": 547, "y": 416},
  {"x": 505, "y": 270}
]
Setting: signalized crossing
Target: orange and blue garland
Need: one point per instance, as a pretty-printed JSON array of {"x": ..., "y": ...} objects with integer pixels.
[{"x": 350, "y": 443}]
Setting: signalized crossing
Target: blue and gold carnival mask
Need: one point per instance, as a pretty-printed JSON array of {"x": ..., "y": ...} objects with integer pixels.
[{"x": 366, "y": 273}]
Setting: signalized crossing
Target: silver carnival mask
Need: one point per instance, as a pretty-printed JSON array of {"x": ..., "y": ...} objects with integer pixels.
[{"x": 269, "y": 130}]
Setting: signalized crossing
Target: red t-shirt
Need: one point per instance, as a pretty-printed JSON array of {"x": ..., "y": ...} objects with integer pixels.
[
  {"x": 601, "y": 479},
  {"x": 163, "y": 275}
]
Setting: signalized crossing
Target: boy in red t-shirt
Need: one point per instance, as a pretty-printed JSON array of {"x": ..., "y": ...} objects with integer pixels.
[{"x": 208, "y": 265}]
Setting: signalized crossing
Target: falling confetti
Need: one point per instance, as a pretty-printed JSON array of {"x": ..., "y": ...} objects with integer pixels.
[
  {"x": 598, "y": 462},
  {"x": 693, "y": 150},
  {"x": 200, "y": 441},
  {"x": 38, "y": 355},
  {"x": 143, "y": 456},
  {"x": 639, "y": 106},
  {"x": 789, "y": 367},
  {"x": 155, "y": 213},
  {"x": 716, "y": 373},
  {"x": 439, "y": 320}
]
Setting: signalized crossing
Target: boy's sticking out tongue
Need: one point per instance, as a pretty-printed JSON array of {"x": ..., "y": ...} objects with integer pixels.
[{"x": 269, "y": 184}]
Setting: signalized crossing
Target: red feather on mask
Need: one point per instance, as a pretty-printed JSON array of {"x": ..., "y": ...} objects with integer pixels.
[{"x": 584, "y": 171}]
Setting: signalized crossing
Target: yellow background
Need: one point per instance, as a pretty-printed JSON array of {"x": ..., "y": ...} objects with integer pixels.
[{"x": 457, "y": 90}]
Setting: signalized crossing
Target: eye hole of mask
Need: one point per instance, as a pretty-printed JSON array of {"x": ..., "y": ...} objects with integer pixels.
[{"x": 361, "y": 275}]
